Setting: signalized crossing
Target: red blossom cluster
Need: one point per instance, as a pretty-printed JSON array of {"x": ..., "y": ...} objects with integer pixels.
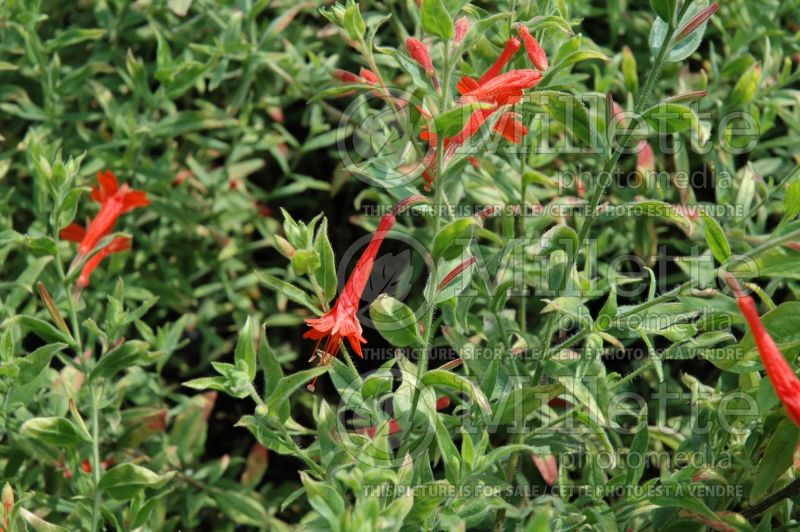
[{"x": 114, "y": 201}]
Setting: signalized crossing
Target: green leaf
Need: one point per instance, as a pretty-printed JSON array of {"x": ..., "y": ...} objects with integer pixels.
[
  {"x": 353, "y": 21},
  {"x": 246, "y": 347},
  {"x": 395, "y": 321},
  {"x": 436, "y": 20},
  {"x": 326, "y": 273},
  {"x": 289, "y": 290},
  {"x": 630, "y": 73},
  {"x": 44, "y": 330},
  {"x": 441, "y": 377},
  {"x": 453, "y": 121},
  {"x": 290, "y": 383},
  {"x": 685, "y": 47},
  {"x": 37, "y": 523},
  {"x": 665, "y": 9},
  {"x": 207, "y": 383},
  {"x": 450, "y": 456},
  {"x": 522, "y": 402},
  {"x": 131, "y": 353},
  {"x": 650, "y": 208},
  {"x": 569, "y": 111},
  {"x": 638, "y": 451},
  {"x": 58, "y": 431},
  {"x": 716, "y": 239},
  {"x": 451, "y": 240},
  {"x": 776, "y": 460},
  {"x": 325, "y": 500},
  {"x": 783, "y": 325},
  {"x": 670, "y": 117},
  {"x": 125, "y": 481},
  {"x": 561, "y": 237},
  {"x": 244, "y": 508},
  {"x": 31, "y": 366},
  {"x": 746, "y": 88},
  {"x": 791, "y": 201}
]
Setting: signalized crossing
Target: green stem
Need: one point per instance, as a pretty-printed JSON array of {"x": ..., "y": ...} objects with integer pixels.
[
  {"x": 422, "y": 364},
  {"x": 605, "y": 180},
  {"x": 91, "y": 387}
]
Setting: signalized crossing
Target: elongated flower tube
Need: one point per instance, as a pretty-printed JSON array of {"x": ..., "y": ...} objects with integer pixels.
[
  {"x": 76, "y": 233},
  {"x": 502, "y": 90},
  {"x": 535, "y": 52},
  {"x": 341, "y": 321},
  {"x": 115, "y": 201},
  {"x": 779, "y": 371},
  {"x": 510, "y": 48}
]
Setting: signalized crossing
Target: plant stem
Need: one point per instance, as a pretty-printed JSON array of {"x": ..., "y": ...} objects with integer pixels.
[
  {"x": 422, "y": 364},
  {"x": 603, "y": 183},
  {"x": 91, "y": 387},
  {"x": 788, "y": 491}
]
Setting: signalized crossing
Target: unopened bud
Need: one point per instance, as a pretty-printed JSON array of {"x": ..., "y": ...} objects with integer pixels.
[
  {"x": 696, "y": 21},
  {"x": 284, "y": 247},
  {"x": 8, "y": 498}
]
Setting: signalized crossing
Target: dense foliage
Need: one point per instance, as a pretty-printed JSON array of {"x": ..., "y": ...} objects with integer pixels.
[{"x": 543, "y": 256}]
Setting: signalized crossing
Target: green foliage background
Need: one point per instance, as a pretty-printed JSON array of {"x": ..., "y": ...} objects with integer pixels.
[{"x": 208, "y": 107}]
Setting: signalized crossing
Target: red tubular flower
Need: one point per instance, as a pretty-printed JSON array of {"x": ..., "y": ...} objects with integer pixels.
[
  {"x": 115, "y": 201},
  {"x": 782, "y": 375},
  {"x": 510, "y": 48},
  {"x": 76, "y": 233},
  {"x": 461, "y": 29},
  {"x": 535, "y": 51},
  {"x": 511, "y": 128},
  {"x": 502, "y": 90},
  {"x": 341, "y": 322}
]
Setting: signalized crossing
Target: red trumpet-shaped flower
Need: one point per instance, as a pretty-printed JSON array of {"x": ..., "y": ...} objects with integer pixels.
[
  {"x": 76, "y": 233},
  {"x": 115, "y": 201},
  {"x": 501, "y": 90},
  {"x": 493, "y": 88},
  {"x": 341, "y": 322},
  {"x": 779, "y": 371},
  {"x": 511, "y": 47}
]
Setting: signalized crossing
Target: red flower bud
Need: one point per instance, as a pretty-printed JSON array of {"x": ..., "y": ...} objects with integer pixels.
[
  {"x": 419, "y": 53},
  {"x": 461, "y": 29},
  {"x": 698, "y": 19},
  {"x": 455, "y": 272},
  {"x": 344, "y": 76},
  {"x": 369, "y": 76},
  {"x": 535, "y": 51}
]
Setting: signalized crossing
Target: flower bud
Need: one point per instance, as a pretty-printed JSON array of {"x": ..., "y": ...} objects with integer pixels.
[
  {"x": 461, "y": 29},
  {"x": 697, "y": 21}
]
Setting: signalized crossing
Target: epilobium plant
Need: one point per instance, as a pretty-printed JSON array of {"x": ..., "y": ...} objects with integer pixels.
[{"x": 569, "y": 303}]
